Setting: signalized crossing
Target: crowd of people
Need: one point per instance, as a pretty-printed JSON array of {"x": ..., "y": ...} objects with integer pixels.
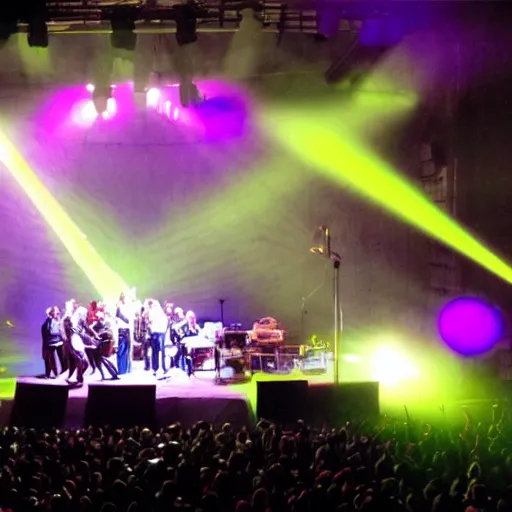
[{"x": 397, "y": 466}]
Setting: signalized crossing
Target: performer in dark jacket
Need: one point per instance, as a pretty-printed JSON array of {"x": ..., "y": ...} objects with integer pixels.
[
  {"x": 105, "y": 338},
  {"x": 53, "y": 343},
  {"x": 92, "y": 312}
]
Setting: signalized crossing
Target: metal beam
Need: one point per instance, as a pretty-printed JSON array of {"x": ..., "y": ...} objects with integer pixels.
[{"x": 150, "y": 16}]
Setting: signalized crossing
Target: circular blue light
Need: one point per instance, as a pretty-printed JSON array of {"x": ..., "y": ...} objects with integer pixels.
[{"x": 470, "y": 326}]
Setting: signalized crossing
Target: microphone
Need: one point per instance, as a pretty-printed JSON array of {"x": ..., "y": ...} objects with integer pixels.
[{"x": 325, "y": 248}]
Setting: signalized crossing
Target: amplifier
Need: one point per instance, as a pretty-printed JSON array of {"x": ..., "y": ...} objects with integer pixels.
[
  {"x": 203, "y": 359},
  {"x": 234, "y": 370},
  {"x": 314, "y": 365},
  {"x": 235, "y": 339},
  {"x": 292, "y": 350}
]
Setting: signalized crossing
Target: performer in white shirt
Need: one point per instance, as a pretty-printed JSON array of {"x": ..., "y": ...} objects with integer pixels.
[
  {"x": 157, "y": 324},
  {"x": 190, "y": 330}
]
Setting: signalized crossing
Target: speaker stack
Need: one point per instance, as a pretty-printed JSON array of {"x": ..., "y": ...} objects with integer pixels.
[
  {"x": 39, "y": 405},
  {"x": 285, "y": 402},
  {"x": 119, "y": 405}
]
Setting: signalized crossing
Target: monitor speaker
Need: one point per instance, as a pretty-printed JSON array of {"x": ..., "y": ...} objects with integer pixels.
[
  {"x": 121, "y": 405},
  {"x": 39, "y": 405},
  {"x": 282, "y": 402},
  {"x": 335, "y": 405}
]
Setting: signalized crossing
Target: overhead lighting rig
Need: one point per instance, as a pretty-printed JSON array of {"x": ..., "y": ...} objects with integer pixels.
[
  {"x": 151, "y": 16},
  {"x": 122, "y": 21},
  {"x": 35, "y": 14},
  {"x": 9, "y": 18}
]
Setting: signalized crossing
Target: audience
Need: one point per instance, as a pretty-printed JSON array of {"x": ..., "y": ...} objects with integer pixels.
[{"x": 398, "y": 466}]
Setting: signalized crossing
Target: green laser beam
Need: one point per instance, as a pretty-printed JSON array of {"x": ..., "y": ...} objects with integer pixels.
[
  {"x": 107, "y": 282},
  {"x": 339, "y": 156}
]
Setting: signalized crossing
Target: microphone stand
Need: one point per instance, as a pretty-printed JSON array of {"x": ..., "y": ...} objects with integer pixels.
[
  {"x": 335, "y": 258},
  {"x": 303, "y": 320},
  {"x": 221, "y": 302},
  {"x": 337, "y": 316}
]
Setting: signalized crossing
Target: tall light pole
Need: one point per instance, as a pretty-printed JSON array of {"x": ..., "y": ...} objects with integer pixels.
[{"x": 324, "y": 250}]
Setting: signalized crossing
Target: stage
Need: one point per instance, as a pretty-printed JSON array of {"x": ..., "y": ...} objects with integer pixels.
[{"x": 178, "y": 397}]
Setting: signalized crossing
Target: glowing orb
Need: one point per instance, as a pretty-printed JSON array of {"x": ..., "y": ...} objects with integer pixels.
[{"x": 470, "y": 326}]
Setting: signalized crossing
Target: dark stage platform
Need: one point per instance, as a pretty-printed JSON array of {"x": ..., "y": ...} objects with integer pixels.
[
  {"x": 178, "y": 398},
  {"x": 139, "y": 398}
]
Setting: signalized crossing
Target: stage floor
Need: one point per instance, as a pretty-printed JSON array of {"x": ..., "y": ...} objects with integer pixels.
[{"x": 189, "y": 399}]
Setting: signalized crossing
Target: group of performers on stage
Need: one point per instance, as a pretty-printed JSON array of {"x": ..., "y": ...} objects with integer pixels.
[{"x": 83, "y": 337}]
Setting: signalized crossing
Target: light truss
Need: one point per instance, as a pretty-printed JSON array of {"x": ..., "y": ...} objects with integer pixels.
[{"x": 157, "y": 16}]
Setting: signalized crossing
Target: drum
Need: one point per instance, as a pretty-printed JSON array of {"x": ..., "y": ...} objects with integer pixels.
[
  {"x": 202, "y": 359},
  {"x": 238, "y": 364},
  {"x": 235, "y": 339},
  {"x": 235, "y": 369}
]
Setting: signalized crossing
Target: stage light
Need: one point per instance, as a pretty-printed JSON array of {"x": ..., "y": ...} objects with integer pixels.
[
  {"x": 123, "y": 35},
  {"x": 8, "y": 20},
  {"x": 391, "y": 367},
  {"x": 86, "y": 114},
  {"x": 153, "y": 97},
  {"x": 110, "y": 110},
  {"x": 37, "y": 34},
  {"x": 101, "y": 97},
  {"x": 186, "y": 16},
  {"x": 351, "y": 358},
  {"x": 36, "y": 17},
  {"x": 470, "y": 326},
  {"x": 90, "y": 88}
]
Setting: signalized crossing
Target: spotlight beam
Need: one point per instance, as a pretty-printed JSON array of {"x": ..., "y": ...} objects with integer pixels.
[
  {"x": 347, "y": 162},
  {"x": 106, "y": 282}
]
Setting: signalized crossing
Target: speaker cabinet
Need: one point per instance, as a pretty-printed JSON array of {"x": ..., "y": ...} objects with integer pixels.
[
  {"x": 282, "y": 401},
  {"x": 39, "y": 405},
  {"x": 119, "y": 405},
  {"x": 346, "y": 402}
]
